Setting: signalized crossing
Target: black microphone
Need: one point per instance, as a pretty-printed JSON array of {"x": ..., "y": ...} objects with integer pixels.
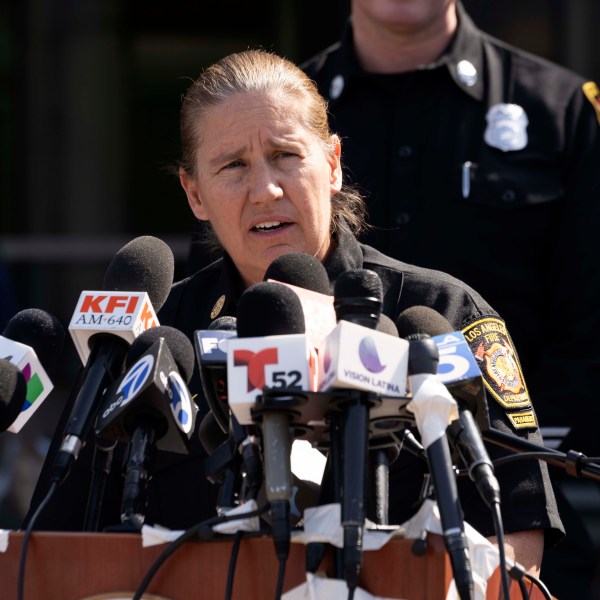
[
  {"x": 358, "y": 297},
  {"x": 386, "y": 325},
  {"x": 32, "y": 340},
  {"x": 145, "y": 264},
  {"x": 233, "y": 459},
  {"x": 423, "y": 360},
  {"x": 301, "y": 270},
  {"x": 271, "y": 309},
  {"x": 211, "y": 354},
  {"x": 151, "y": 407},
  {"x": 12, "y": 393},
  {"x": 465, "y": 383},
  {"x": 41, "y": 331}
]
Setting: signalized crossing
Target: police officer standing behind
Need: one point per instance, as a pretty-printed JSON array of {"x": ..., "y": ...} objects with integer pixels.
[{"x": 483, "y": 161}]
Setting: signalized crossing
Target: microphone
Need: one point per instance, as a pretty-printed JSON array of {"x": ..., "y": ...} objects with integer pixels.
[
  {"x": 271, "y": 352},
  {"x": 358, "y": 297},
  {"x": 32, "y": 340},
  {"x": 459, "y": 371},
  {"x": 307, "y": 276},
  {"x": 430, "y": 401},
  {"x": 151, "y": 407},
  {"x": 386, "y": 325},
  {"x": 300, "y": 270},
  {"x": 159, "y": 366},
  {"x": 211, "y": 352},
  {"x": 13, "y": 389},
  {"x": 103, "y": 326},
  {"x": 357, "y": 302},
  {"x": 233, "y": 455}
]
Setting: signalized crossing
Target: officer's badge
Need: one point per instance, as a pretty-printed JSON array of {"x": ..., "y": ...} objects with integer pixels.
[
  {"x": 590, "y": 89},
  {"x": 499, "y": 364},
  {"x": 506, "y": 127},
  {"x": 218, "y": 307}
]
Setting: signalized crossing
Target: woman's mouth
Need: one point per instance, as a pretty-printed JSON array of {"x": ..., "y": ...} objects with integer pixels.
[{"x": 268, "y": 226}]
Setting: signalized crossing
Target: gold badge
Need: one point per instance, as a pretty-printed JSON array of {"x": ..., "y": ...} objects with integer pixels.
[
  {"x": 217, "y": 308},
  {"x": 493, "y": 349},
  {"x": 590, "y": 89},
  {"x": 523, "y": 420}
]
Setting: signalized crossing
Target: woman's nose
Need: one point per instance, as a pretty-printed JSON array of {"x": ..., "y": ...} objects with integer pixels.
[{"x": 264, "y": 185}]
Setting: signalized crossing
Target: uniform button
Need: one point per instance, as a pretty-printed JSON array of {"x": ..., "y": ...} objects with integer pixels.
[
  {"x": 336, "y": 87},
  {"x": 509, "y": 196},
  {"x": 405, "y": 151},
  {"x": 402, "y": 218},
  {"x": 466, "y": 73}
]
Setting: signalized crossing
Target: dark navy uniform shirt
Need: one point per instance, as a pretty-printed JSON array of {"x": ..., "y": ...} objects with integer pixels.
[{"x": 509, "y": 204}]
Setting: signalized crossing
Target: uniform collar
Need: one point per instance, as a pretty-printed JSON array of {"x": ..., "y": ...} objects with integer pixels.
[
  {"x": 347, "y": 254},
  {"x": 463, "y": 58},
  {"x": 465, "y": 49}
]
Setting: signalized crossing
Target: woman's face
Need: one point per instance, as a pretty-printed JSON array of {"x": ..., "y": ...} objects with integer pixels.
[{"x": 263, "y": 180}]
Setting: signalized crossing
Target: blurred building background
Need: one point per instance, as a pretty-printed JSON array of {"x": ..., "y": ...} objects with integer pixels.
[{"x": 89, "y": 108}]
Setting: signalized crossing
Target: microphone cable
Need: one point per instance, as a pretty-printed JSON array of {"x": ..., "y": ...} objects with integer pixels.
[
  {"x": 53, "y": 486},
  {"x": 235, "y": 549},
  {"x": 27, "y": 536},
  {"x": 198, "y": 530},
  {"x": 499, "y": 527}
]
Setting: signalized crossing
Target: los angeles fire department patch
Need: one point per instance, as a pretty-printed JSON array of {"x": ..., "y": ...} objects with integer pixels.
[{"x": 493, "y": 349}]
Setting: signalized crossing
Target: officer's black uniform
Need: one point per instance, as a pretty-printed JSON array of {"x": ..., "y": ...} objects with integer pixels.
[
  {"x": 510, "y": 207},
  {"x": 180, "y": 495}
]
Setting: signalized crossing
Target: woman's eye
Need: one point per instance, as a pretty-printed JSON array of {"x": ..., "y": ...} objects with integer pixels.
[{"x": 232, "y": 165}]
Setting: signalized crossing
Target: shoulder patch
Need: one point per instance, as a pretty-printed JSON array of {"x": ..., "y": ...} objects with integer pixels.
[
  {"x": 499, "y": 364},
  {"x": 590, "y": 89},
  {"x": 523, "y": 420}
]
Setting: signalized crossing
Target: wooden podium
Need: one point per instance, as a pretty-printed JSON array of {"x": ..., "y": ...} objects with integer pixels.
[{"x": 74, "y": 566}]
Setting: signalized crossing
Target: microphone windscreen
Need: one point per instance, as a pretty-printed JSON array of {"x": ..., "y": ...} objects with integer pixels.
[
  {"x": 386, "y": 325},
  {"x": 145, "y": 264},
  {"x": 210, "y": 433},
  {"x": 41, "y": 331},
  {"x": 358, "y": 283},
  {"x": 300, "y": 269},
  {"x": 422, "y": 320},
  {"x": 13, "y": 390},
  {"x": 180, "y": 346},
  {"x": 269, "y": 308},
  {"x": 224, "y": 323}
]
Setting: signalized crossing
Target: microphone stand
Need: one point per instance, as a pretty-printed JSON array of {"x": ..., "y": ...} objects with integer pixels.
[
  {"x": 355, "y": 443},
  {"x": 103, "y": 456},
  {"x": 330, "y": 493},
  {"x": 380, "y": 465},
  {"x": 573, "y": 462}
]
